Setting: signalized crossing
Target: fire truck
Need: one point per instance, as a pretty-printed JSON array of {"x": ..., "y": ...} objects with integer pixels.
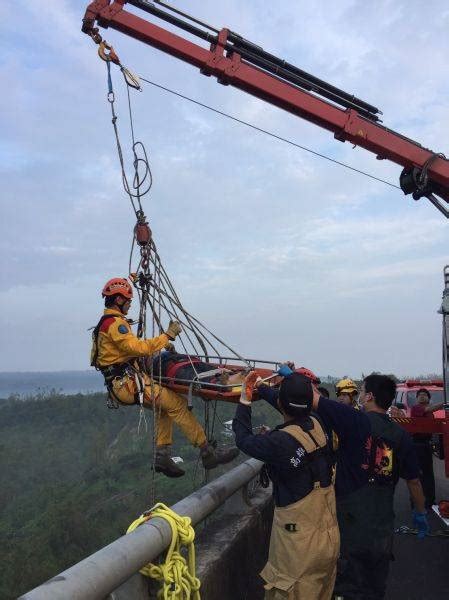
[{"x": 406, "y": 392}]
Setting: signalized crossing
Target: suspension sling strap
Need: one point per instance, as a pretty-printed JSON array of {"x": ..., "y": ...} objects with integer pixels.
[
  {"x": 110, "y": 372},
  {"x": 95, "y": 334},
  {"x": 315, "y": 444}
]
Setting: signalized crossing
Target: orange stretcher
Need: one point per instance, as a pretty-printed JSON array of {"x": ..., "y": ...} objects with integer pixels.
[{"x": 216, "y": 391}]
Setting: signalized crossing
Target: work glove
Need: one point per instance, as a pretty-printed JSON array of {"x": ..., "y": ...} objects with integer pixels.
[
  {"x": 173, "y": 329},
  {"x": 421, "y": 523},
  {"x": 170, "y": 347},
  {"x": 248, "y": 388},
  {"x": 285, "y": 370}
]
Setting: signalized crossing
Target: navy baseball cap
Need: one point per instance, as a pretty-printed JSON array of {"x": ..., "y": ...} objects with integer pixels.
[{"x": 296, "y": 393}]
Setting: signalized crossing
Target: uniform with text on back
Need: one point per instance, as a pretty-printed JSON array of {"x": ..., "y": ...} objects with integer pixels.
[{"x": 304, "y": 541}]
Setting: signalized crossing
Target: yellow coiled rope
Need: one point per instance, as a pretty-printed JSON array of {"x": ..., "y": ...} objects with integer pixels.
[{"x": 177, "y": 574}]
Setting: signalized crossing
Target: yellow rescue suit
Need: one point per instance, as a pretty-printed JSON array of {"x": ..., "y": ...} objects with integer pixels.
[
  {"x": 116, "y": 345},
  {"x": 305, "y": 540}
]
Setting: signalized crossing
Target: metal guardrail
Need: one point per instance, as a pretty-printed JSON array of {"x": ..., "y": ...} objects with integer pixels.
[{"x": 99, "y": 574}]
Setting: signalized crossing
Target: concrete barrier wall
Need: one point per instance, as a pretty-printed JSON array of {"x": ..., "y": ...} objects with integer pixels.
[{"x": 232, "y": 550}]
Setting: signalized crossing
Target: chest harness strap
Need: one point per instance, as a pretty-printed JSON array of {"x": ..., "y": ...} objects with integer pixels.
[
  {"x": 95, "y": 333},
  {"x": 117, "y": 370},
  {"x": 314, "y": 445}
]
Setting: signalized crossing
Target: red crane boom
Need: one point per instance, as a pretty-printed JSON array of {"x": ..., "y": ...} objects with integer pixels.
[{"x": 240, "y": 63}]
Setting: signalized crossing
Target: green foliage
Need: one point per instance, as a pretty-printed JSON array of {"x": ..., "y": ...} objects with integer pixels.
[{"x": 74, "y": 474}]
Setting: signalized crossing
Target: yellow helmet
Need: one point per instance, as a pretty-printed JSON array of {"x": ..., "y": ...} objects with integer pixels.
[{"x": 345, "y": 386}]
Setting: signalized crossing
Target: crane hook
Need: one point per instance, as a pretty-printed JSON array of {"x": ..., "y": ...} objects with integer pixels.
[{"x": 107, "y": 53}]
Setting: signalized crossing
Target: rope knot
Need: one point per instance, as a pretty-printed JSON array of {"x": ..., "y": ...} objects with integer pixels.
[{"x": 177, "y": 573}]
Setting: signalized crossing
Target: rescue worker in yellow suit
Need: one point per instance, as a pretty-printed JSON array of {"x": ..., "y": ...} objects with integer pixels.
[
  {"x": 304, "y": 543},
  {"x": 114, "y": 352},
  {"x": 347, "y": 392}
]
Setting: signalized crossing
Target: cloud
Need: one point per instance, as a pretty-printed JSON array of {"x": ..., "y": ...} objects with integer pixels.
[{"x": 263, "y": 241}]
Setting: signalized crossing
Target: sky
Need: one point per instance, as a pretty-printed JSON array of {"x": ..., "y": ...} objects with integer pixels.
[{"x": 281, "y": 253}]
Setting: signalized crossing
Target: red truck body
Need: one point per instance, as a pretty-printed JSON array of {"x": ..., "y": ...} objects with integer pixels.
[{"x": 406, "y": 394}]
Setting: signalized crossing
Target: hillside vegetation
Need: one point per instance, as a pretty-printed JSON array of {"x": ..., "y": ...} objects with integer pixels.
[{"x": 74, "y": 474}]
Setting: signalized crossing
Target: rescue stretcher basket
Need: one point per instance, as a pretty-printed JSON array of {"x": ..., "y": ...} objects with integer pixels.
[{"x": 225, "y": 392}]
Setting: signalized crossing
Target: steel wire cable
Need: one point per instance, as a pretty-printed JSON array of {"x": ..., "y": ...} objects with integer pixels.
[
  {"x": 174, "y": 300},
  {"x": 193, "y": 327},
  {"x": 137, "y": 147},
  {"x": 269, "y": 133},
  {"x": 159, "y": 287},
  {"x": 189, "y": 317},
  {"x": 199, "y": 323},
  {"x": 173, "y": 313}
]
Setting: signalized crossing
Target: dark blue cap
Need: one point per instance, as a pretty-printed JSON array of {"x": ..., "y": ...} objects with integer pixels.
[{"x": 296, "y": 394}]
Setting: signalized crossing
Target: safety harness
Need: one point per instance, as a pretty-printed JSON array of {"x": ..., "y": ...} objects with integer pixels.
[
  {"x": 95, "y": 333},
  {"x": 114, "y": 371}
]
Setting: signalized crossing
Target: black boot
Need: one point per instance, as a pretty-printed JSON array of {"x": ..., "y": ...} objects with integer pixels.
[
  {"x": 165, "y": 464},
  {"x": 212, "y": 457}
]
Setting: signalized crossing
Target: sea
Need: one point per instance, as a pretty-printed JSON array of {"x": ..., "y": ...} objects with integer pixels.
[{"x": 27, "y": 384}]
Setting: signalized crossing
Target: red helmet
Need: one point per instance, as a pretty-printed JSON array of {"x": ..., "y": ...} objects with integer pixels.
[
  {"x": 118, "y": 285},
  {"x": 309, "y": 374}
]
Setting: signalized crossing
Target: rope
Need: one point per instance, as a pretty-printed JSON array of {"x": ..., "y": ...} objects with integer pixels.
[
  {"x": 135, "y": 193},
  {"x": 404, "y": 529},
  {"x": 177, "y": 574}
]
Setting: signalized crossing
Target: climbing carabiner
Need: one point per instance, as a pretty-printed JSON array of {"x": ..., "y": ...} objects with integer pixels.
[{"x": 107, "y": 53}]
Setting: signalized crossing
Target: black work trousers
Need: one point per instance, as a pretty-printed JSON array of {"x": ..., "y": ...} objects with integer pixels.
[
  {"x": 362, "y": 571},
  {"x": 427, "y": 477}
]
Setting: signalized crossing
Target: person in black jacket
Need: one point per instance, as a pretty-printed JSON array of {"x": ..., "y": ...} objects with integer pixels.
[{"x": 304, "y": 540}]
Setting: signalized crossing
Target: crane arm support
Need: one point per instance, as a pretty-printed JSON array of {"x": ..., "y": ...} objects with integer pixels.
[{"x": 425, "y": 173}]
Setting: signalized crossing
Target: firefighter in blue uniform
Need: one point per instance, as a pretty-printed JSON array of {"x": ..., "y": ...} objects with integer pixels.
[{"x": 304, "y": 540}]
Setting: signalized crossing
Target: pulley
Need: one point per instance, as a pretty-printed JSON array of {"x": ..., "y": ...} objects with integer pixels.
[
  {"x": 416, "y": 181},
  {"x": 142, "y": 230}
]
